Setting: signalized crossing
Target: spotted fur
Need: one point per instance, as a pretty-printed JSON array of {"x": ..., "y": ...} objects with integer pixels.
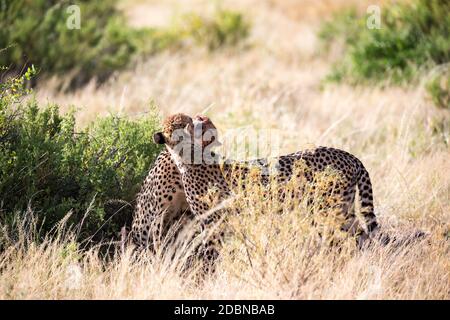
[{"x": 160, "y": 203}]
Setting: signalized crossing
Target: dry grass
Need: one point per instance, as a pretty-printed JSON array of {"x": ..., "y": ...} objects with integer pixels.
[
  {"x": 276, "y": 83},
  {"x": 272, "y": 251}
]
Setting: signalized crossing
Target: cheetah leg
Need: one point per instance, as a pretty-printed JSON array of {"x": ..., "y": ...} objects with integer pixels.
[
  {"x": 209, "y": 251},
  {"x": 209, "y": 254}
]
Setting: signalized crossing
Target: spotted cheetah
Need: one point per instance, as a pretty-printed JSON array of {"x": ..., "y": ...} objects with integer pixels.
[
  {"x": 160, "y": 203},
  {"x": 199, "y": 177}
]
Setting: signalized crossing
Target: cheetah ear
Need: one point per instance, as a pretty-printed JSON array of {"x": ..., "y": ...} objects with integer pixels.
[
  {"x": 188, "y": 128},
  {"x": 158, "y": 138}
]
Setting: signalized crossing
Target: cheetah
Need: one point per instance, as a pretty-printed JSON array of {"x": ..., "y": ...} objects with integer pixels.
[
  {"x": 160, "y": 203},
  {"x": 198, "y": 178}
]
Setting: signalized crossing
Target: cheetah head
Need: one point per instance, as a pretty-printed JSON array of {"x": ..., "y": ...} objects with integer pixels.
[
  {"x": 176, "y": 128},
  {"x": 188, "y": 138},
  {"x": 208, "y": 131}
]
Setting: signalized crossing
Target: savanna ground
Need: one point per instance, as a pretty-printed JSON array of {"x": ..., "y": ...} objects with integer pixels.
[{"x": 273, "y": 82}]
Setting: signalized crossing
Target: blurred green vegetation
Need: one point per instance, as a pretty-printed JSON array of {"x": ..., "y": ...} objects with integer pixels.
[
  {"x": 226, "y": 28},
  {"x": 438, "y": 88},
  {"x": 414, "y": 37},
  {"x": 36, "y": 32},
  {"x": 49, "y": 166}
]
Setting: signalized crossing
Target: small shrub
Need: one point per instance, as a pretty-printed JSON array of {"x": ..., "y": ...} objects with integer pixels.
[
  {"x": 226, "y": 28},
  {"x": 53, "y": 168},
  {"x": 413, "y": 37},
  {"x": 438, "y": 89}
]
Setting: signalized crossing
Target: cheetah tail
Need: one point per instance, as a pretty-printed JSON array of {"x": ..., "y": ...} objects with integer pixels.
[
  {"x": 399, "y": 241},
  {"x": 366, "y": 201}
]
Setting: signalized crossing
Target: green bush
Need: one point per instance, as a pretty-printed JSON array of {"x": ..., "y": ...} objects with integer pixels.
[
  {"x": 36, "y": 32},
  {"x": 50, "y": 166},
  {"x": 438, "y": 88},
  {"x": 226, "y": 28},
  {"x": 413, "y": 37}
]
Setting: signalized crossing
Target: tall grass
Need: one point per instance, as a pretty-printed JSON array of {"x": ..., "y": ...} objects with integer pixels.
[{"x": 273, "y": 251}]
